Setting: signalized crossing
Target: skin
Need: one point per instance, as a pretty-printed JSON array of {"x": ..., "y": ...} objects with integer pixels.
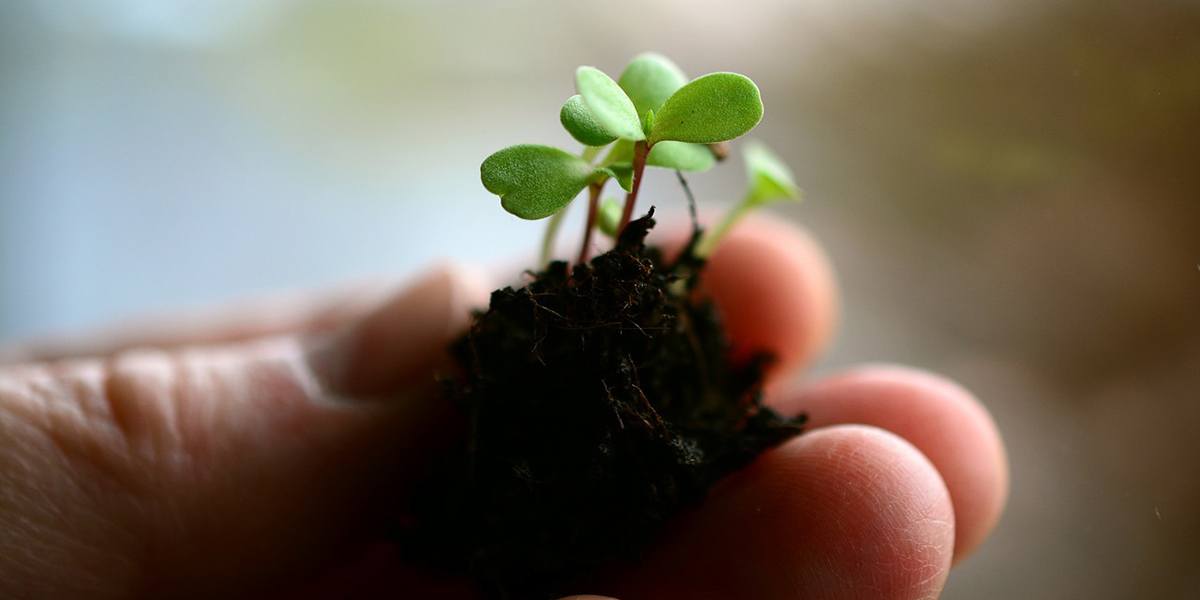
[{"x": 238, "y": 453}]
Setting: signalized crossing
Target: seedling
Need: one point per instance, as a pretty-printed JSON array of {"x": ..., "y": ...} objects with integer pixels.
[
  {"x": 652, "y": 116},
  {"x": 768, "y": 180},
  {"x": 601, "y": 398}
]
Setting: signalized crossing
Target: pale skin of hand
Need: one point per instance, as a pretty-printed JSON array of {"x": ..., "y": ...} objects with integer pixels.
[{"x": 253, "y": 450}]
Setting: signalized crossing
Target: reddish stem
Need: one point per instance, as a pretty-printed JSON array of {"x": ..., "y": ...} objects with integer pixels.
[
  {"x": 640, "y": 150},
  {"x": 593, "y": 207}
]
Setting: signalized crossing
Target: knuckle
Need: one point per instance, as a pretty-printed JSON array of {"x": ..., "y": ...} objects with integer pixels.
[
  {"x": 65, "y": 476},
  {"x": 139, "y": 402},
  {"x": 112, "y": 418}
]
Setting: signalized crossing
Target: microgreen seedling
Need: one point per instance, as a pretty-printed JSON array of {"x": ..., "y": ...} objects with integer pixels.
[
  {"x": 768, "y": 181},
  {"x": 601, "y": 400},
  {"x": 651, "y": 116}
]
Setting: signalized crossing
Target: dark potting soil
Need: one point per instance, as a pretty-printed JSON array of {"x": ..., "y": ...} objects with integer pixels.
[{"x": 600, "y": 402}]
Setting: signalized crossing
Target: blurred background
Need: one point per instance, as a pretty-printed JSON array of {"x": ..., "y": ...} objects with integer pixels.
[{"x": 1010, "y": 192}]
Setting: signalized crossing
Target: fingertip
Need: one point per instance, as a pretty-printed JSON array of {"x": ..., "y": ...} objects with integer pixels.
[
  {"x": 403, "y": 341},
  {"x": 776, "y": 291},
  {"x": 845, "y": 512},
  {"x": 941, "y": 418}
]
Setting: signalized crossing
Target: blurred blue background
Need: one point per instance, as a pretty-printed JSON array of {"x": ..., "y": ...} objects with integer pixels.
[{"x": 1008, "y": 190}]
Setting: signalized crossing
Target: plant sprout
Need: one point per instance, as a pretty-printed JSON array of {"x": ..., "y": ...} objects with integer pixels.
[
  {"x": 652, "y": 115},
  {"x": 768, "y": 181},
  {"x": 660, "y": 409}
]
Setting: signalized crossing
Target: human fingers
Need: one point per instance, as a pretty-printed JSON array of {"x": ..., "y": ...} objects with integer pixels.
[
  {"x": 222, "y": 469},
  {"x": 844, "y": 512},
  {"x": 765, "y": 272},
  {"x": 296, "y": 312},
  {"x": 942, "y": 419},
  {"x": 776, "y": 292}
]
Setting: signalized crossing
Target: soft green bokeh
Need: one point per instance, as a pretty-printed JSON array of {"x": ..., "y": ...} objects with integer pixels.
[
  {"x": 608, "y": 216},
  {"x": 581, "y": 124},
  {"x": 608, "y": 104},
  {"x": 713, "y": 108},
  {"x": 534, "y": 181},
  {"x": 768, "y": 178},
  {"x": 649, "y": 79}
]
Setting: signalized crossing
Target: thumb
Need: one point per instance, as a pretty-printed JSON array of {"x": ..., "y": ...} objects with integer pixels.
[{"x": 218, "y": 469}]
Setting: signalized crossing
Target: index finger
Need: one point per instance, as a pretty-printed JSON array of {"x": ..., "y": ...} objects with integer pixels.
[
  {"x": 776, "y": 292},
  {"x": 276, "y": 314}
]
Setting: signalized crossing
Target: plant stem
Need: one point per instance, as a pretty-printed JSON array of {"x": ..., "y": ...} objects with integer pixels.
[
  {"x": 593, "y": 206},
  {"x": 687, "y": 190},
  {"x": 550, "y": 234},
  {"x": 713, "y": 236},
  {"x": 640, "y": 150},
  {"x": 552, "y": 226}
]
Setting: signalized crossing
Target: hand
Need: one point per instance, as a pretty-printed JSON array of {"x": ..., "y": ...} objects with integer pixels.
[{"x": 254, "y": 451}]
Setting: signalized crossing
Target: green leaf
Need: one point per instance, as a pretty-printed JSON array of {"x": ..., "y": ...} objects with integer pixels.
[
  {"x": 681, "y": 156},
  {"x": 619, "y": 162},
  {"x": 709, "y": 109},
  {"x": 619, "y": 153},
  {"x": 608, "y": 216},
  {"x": 608, "y": 104},
  {"x": 769, "y": 178},
  {"x": 579, "y": 122},
  {"x": 650, "y": 79},
  {"x": 623, "y": 173},
  {"x": 534, "y": 181}
]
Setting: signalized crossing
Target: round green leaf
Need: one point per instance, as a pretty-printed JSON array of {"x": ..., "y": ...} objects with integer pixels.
[
  {"x": 579, "y": 122},
  {"x": 608, "y": 104},
  {"x": 681, "y": 156},
  {"x": 709, "y": 109},
  {"x": 650, "y": 79},
  {"x": 769, "y": 178},
  {"x": 608, "y": 216},
  {"x": 534, "y": 181}
]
